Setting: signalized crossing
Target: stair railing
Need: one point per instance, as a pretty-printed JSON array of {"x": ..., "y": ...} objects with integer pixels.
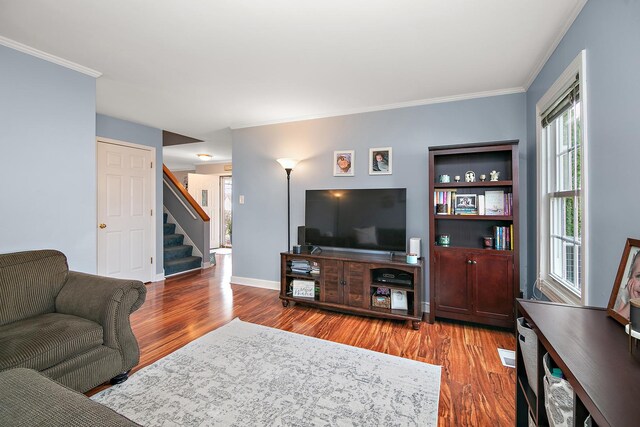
[{"x": 185, "y": 194}]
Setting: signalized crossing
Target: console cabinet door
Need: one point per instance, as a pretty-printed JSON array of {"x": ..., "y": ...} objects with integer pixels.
[
  {"x": 356, "y": 283},
  {"x": 492, "y": 284},
  {"x": 331, "y": 283},
  {"x": 451, "y": 283}
]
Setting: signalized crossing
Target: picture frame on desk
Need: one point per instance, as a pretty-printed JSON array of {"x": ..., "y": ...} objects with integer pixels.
[
  {"x": 399, "y": 300},
  {"x": 627, "y": 282}
]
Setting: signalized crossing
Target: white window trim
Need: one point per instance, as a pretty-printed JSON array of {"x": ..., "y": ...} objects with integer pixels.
[{"x": 551, "y": 288}]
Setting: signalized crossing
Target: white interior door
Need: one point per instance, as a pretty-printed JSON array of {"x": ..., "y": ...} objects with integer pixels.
[
  {"x": 125, "y": 216},
  {"x": 206, "y": 191}
]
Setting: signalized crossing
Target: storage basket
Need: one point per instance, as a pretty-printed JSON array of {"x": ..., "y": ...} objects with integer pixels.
[
  {"x": 558, "y": 397},
  {"x": 529, "y": 350},
  {"x": 380, "y": 301}
]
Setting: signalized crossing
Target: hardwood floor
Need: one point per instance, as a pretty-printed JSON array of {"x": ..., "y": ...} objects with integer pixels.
[{"x": 476, "y": 389}]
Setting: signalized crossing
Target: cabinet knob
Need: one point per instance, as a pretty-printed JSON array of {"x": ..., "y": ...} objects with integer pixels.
[
  {"x": 469, "y": 261},
  {"x": 475, "y": 262}
]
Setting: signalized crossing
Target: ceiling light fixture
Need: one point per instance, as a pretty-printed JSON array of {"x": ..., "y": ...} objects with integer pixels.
[{"x": 204, "y": 157}]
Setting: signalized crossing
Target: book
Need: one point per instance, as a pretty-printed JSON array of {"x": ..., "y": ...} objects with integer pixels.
[
  {"x": 481, "y": 205},
  {"x": 494, "y": 202}
]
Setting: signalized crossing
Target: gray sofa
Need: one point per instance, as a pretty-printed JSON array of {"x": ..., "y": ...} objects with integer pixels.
[
  {"x": 72, "y": 327},
  {"x": 28, "y": 399}
]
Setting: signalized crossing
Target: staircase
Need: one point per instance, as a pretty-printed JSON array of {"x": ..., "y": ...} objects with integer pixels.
[{"x": 177, "y": 256}]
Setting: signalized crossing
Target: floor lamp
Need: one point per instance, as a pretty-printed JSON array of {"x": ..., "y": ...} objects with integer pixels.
[{"x": 288, "y": 165}]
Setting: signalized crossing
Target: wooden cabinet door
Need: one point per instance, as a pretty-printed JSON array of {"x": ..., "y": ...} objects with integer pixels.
[
  {"x": 356, "y": 284},
  {"x": 451, "y": 272},
  {"x": 492, "y": 284},
  {"x": 331, "y": 284}
]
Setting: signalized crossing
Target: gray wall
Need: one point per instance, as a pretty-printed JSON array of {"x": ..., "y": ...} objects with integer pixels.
[
  {"x": 259, "y": 226},
  {"x": 122, "y": 130},
  {"x": 47, "y": 160},
  {"x": 610, "y": 32}
]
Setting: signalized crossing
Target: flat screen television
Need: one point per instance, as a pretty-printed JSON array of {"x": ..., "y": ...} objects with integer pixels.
[{"x": 372, "y": 219}]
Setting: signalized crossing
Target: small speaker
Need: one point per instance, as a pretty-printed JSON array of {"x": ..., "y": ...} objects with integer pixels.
[
  {"x": 414, "y": 246},
  {"x": 301, "y": 236}
]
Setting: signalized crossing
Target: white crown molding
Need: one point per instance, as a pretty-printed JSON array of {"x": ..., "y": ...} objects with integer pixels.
[
  {"x": 563, "y": 31},
  {"x": 415, "y": 103},
  {"x": 48, "y": 57}
]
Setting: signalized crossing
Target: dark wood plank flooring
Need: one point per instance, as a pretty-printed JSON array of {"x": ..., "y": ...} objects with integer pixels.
[{"x": 476, "y": 389}]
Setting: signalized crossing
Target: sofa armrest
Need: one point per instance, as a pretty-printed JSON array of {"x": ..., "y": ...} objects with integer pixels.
[{"x": 106, "y": 301}]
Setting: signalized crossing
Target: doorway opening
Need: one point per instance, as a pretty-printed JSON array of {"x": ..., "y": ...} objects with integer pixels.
[{"x": 226, "y": 198}]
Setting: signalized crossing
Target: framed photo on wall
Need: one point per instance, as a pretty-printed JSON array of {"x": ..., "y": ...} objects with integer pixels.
[
  {"x": 627, "y": 283},
  {"x": 343, "y": 162},
  {"x": 380, "y": 161}
]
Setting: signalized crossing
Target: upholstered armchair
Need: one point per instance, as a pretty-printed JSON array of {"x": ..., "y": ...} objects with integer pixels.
[{"x": 72, "y": 327}]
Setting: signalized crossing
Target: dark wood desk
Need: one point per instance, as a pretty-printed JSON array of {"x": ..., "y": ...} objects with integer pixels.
[{"x": 593, "y": 352}]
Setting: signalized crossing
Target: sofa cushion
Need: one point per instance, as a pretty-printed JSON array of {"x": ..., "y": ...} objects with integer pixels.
[
  {"x": 30, "y": 399},
  {"x": 43, "y": 341},
  {"x": 29, "y": 283}
]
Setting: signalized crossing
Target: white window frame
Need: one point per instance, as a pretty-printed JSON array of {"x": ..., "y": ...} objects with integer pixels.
[{"x": 551, "y": 288}]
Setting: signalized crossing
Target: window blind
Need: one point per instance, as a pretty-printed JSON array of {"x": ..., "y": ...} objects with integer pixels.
[{"x": 565, "y": 101}]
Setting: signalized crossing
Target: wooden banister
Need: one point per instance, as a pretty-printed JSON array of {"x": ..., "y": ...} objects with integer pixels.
[{"x": 186, "y": 195}]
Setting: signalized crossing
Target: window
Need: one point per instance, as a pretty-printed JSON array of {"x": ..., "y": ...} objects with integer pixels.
[{"x": 561, "y": 188}]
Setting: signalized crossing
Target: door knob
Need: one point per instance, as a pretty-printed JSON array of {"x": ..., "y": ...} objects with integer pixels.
[{"x": 103, "y": 226}]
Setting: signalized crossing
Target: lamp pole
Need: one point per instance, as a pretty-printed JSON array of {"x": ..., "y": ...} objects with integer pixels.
[
  {"x": 288, "y": 165},
  {"x": 288, "y": 170}
]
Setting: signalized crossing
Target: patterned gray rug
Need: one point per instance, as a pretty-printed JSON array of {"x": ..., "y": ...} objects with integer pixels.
[{"x": 250, "y": 375}]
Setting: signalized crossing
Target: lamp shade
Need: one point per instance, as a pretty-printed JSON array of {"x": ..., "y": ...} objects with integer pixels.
[{"x": 288, "y": 163}]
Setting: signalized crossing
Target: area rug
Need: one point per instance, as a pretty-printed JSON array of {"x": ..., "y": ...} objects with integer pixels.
[{"x": 243, "y": 374}]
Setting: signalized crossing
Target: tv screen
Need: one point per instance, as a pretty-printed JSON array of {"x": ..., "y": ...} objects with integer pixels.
[{"x": 373, "y": 219}]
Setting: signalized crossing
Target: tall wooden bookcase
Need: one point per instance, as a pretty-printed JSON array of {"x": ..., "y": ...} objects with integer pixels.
[{"x": 468, "y": 281}]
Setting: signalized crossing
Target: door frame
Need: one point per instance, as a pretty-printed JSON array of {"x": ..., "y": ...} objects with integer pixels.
[
  {"x": 152, "y": 218},
  {"x": 221, "y": 203}
]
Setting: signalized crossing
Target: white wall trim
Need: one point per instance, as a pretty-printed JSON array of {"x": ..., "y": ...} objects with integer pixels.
[
  {"x": 48, "y": 57},
  {"x": 159, "y": 277},
  {"x": 426, "y": 308},
  {"x": 256, "y": 283},
  {"x": 416, "y": 103},
  {"x": 563, "y": 31},
  {"x": 547, "y": 285}
]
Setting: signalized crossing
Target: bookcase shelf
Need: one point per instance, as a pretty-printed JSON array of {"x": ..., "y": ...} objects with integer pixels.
[
  {"x": 468, "y": 282},
  {"x": 445, "y": 185},
  {"x": 474, "y": 217}
]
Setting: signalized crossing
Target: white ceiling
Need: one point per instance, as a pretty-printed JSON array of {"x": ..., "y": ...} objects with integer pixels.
[{"x": 199, "y": 67}]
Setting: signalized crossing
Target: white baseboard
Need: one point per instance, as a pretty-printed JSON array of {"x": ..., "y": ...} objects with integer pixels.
[
  {"x": 426, "y": 308},
  {"x": 159, "y": 277},
  {"x": 256, "y": 283}
]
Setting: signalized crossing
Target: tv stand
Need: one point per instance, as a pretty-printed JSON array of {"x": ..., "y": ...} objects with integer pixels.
[{"x": 349, "y": 281}]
